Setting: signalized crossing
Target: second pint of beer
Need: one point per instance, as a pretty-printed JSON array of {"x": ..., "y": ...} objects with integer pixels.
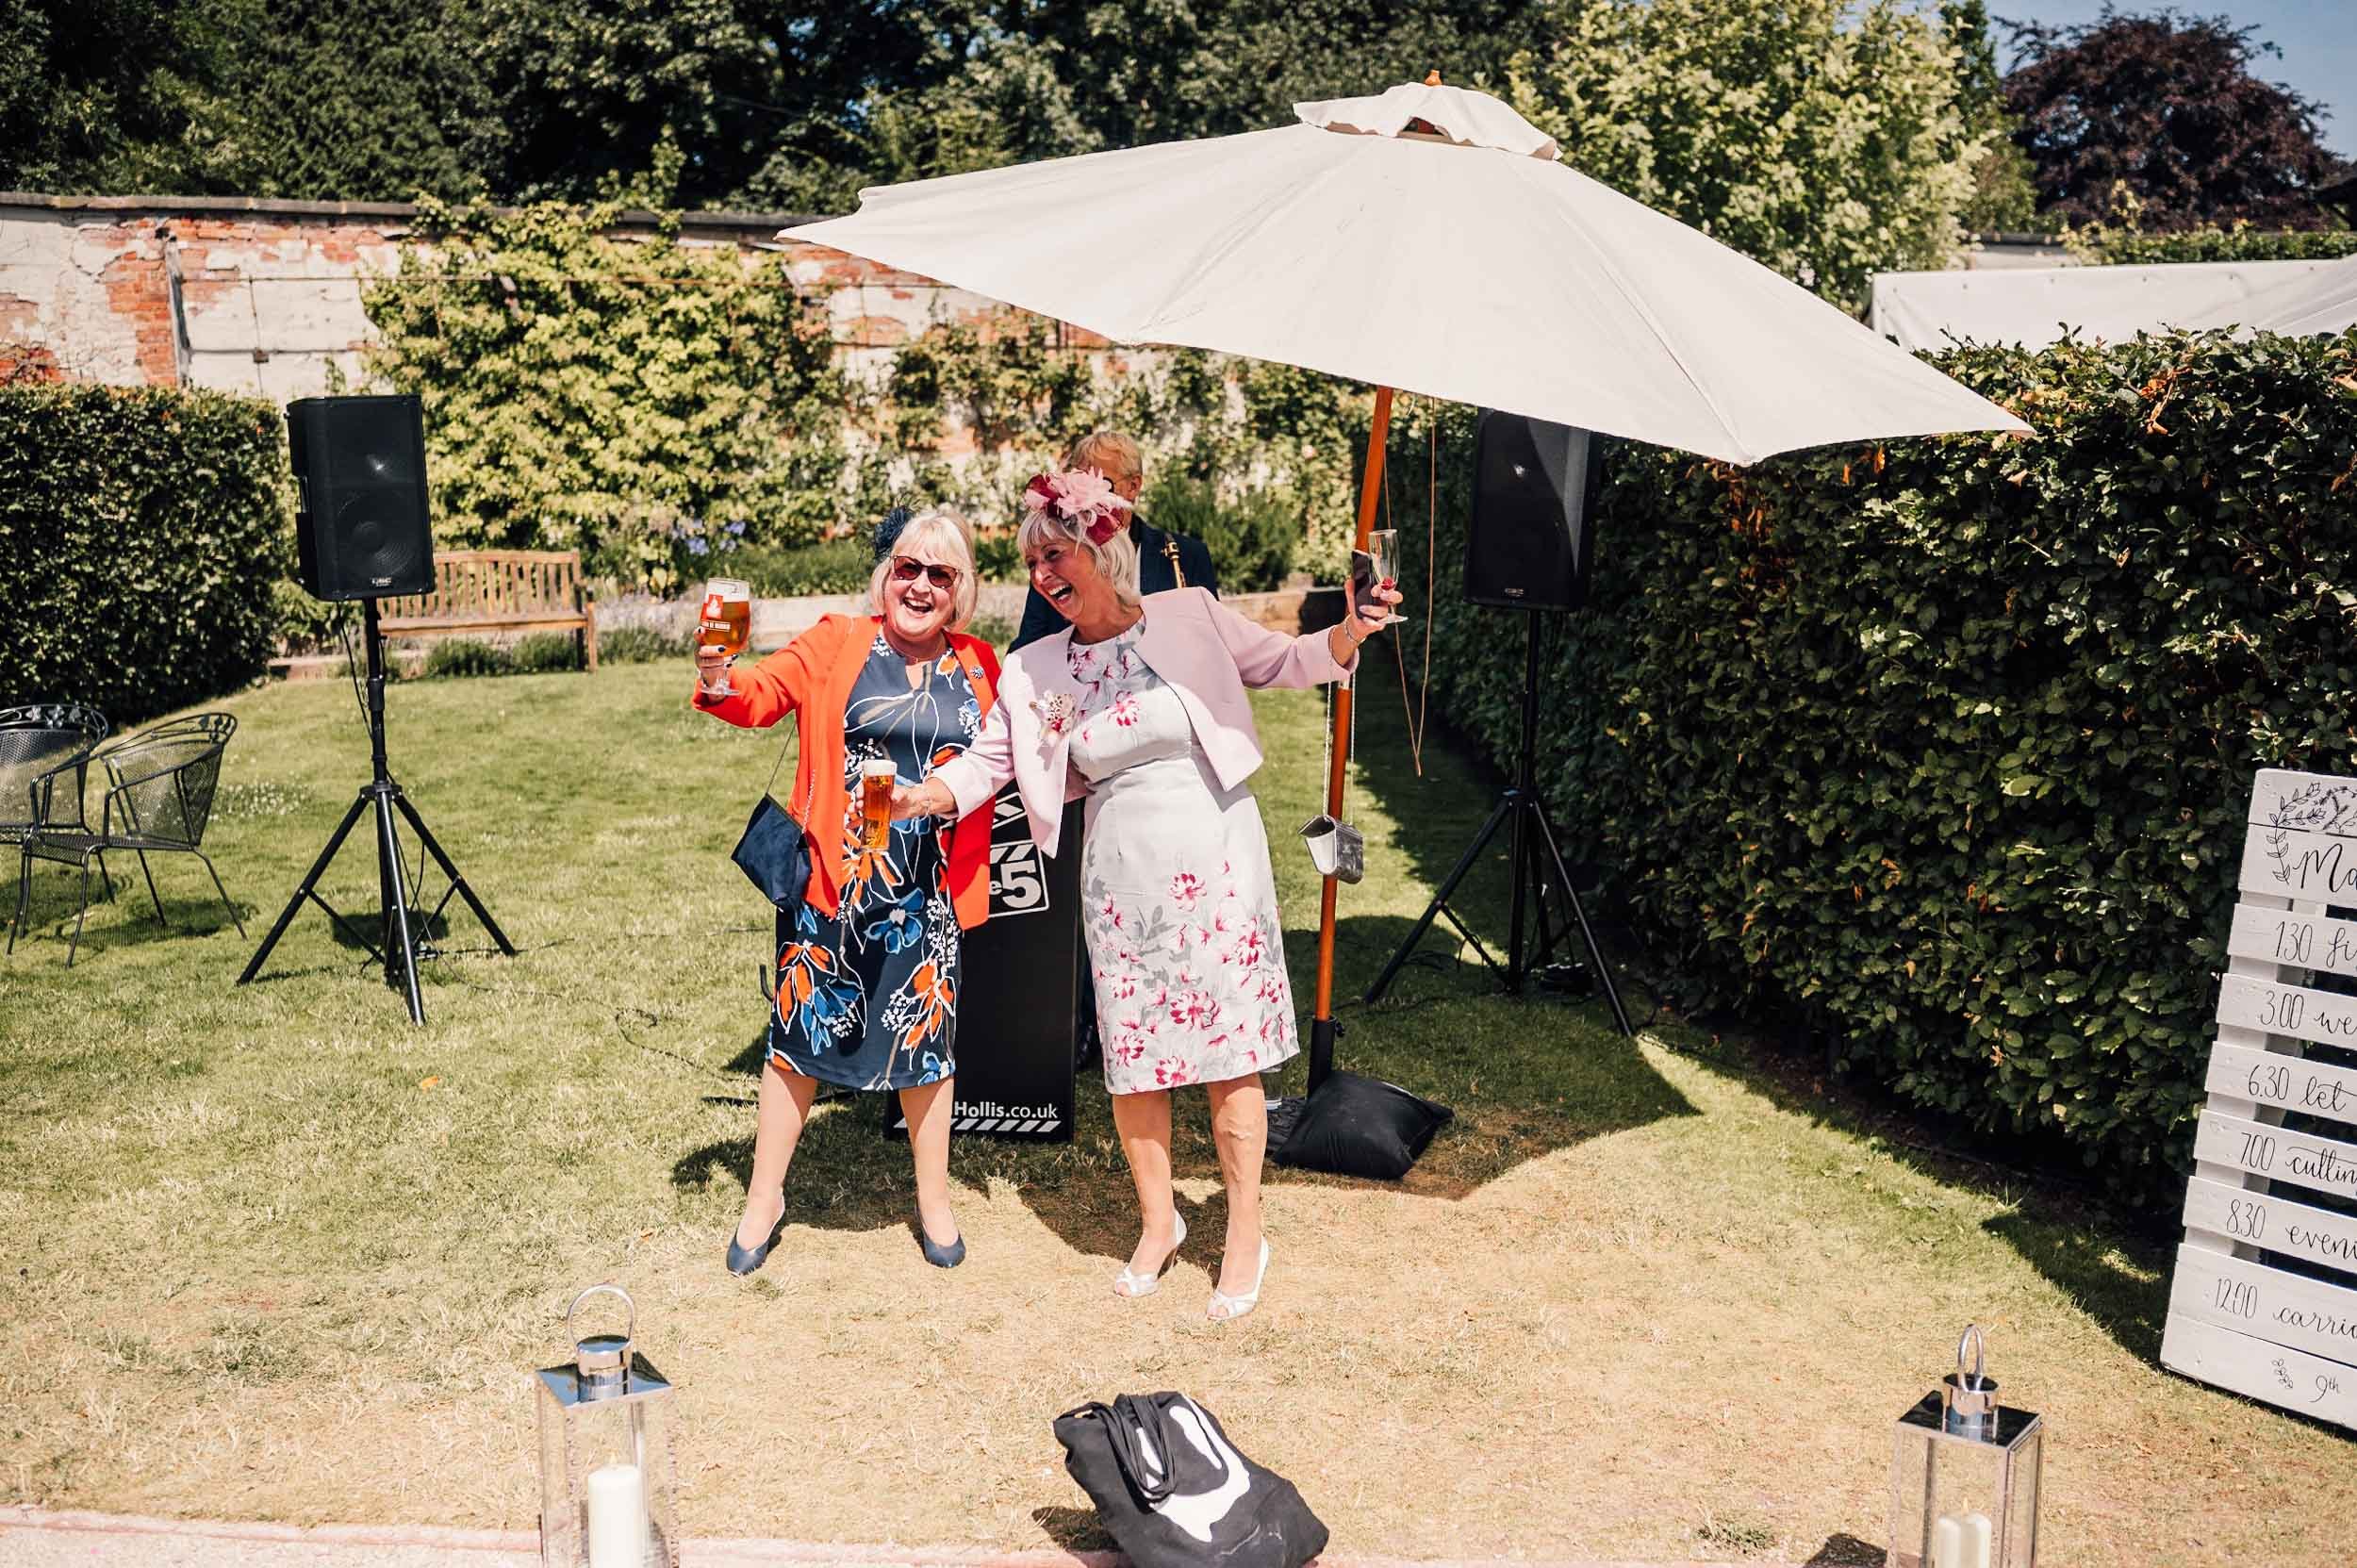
[{"x": 876, "y": 779}]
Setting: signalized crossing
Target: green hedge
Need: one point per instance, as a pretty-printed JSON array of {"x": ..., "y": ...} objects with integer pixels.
[
  {"x": 1944, "y": 748},
  {"x": 1252, "y": 540},
  {"x": 141, "y": 533},
  {"x": 790, "y": 571},
  {"x": 2130, "y": 248}
]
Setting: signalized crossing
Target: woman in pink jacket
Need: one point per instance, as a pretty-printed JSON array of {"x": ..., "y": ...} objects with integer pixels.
[{"x": 1140, "y": 705}]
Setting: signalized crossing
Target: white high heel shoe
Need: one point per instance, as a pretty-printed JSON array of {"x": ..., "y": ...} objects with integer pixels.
[
  {"x": 1131, "y": 1284},
  {"x": 1226, "y": 1308}
]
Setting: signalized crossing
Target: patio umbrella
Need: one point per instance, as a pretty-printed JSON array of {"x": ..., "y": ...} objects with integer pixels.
[{"x": 1427, "y": 239}]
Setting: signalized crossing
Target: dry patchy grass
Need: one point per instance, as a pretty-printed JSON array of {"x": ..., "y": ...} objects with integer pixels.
[{"x": 1643, "y": 1300}]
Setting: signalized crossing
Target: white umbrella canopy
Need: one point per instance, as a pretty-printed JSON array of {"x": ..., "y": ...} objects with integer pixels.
[
  {"x": 1462, "y": 262},
  {"x": 1425, "y": 239}
]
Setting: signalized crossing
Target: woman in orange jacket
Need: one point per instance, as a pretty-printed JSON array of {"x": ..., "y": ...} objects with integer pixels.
[{"x": 868, "y": 967}]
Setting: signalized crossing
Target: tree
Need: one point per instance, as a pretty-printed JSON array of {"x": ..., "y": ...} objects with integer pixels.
[
  {"x": 2165, "y": 108},
  {"x": 1820, "y": 139},
  {"x": 360, "y": 100},
  {"x": 1023, "y": 79},
  {"x": 101, "y": 96},
  {"x": 2003, "y": 199}
]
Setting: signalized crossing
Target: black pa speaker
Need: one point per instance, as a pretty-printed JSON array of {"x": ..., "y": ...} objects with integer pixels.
[
  {"x": 1534, "y": 499},
  {"x": 361, "y": 524}
]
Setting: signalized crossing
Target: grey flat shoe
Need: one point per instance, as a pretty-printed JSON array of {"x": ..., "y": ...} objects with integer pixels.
[
  {"x": 937, "y": 1255},
  {"x": 744, "y": 1259}
]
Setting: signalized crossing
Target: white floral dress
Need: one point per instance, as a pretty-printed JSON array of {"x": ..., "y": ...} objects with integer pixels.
[{"x": 1180, "y": 906}]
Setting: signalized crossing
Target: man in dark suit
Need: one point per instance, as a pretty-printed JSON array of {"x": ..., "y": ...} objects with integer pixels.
[{"x": 1164, "y": 560}]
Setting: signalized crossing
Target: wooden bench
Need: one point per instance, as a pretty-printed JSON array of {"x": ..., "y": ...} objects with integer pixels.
[{"x": 501, "y": 590}]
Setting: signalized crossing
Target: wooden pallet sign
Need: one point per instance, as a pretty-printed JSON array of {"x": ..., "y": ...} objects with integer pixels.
[{"x": 2265, "y": 1297}]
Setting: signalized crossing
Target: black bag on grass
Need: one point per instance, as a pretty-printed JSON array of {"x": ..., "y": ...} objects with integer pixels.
[
  {"x": 1174, "y": 1492},
  {"x": 1352, "y": 1125}
]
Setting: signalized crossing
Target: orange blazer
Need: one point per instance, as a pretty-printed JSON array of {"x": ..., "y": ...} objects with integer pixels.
[{"x": 814, "y": 675}]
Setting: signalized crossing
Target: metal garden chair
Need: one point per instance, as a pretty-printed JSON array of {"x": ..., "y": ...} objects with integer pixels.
[
  {"x": 160, "y": 795},
  {"x": 44, "y": 761}
]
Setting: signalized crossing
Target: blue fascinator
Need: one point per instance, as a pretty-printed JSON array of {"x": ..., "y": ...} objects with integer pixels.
[{"x": 888, "y": 531}]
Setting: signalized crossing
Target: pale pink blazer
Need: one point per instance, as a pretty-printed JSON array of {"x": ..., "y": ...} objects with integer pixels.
[{"x": 1201, "y": 649}]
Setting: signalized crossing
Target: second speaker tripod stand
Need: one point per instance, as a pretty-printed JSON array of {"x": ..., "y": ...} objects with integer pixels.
[
  {"x": 401, "y": 942},
  {"x": 1536, "y": 858}
]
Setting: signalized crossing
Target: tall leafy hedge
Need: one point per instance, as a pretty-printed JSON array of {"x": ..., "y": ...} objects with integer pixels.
[
  {"x": 141, "y": 531},
  {"x": 1944, "y": 746},
  {"x": 2131, "y": 247}
]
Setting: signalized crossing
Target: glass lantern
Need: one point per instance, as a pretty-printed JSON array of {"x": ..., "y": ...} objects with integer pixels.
[
  {"x": 605, "y": 1454},
  {"x": 1964, "y": 1474}
]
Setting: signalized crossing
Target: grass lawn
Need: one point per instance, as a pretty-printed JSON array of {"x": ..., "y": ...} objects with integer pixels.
[{"x": 273, "y": 1253}]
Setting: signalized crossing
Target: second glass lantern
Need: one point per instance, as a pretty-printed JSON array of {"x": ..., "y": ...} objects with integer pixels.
[{"x": 1964, "y": 1474}]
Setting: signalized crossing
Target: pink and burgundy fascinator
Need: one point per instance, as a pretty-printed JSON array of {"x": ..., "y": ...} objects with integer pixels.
[{"x": 1081, "y": 497}]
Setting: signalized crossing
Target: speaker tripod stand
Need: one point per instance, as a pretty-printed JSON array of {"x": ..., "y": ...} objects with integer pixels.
[
  {"x": 1536, "y": 864},
  {"x": 399, "y": 945}
]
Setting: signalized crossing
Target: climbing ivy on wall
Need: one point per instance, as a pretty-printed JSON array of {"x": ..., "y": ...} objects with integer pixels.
[{"x": 647, "y": 402}]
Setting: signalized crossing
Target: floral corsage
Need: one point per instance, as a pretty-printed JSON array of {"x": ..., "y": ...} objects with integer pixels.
[
  {"x": 1081, "y": 497},
  {"x": 1056, "y": 712}
]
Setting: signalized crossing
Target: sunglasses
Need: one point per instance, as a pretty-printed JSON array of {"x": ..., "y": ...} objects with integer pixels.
[{"x": 905, "y": 571}]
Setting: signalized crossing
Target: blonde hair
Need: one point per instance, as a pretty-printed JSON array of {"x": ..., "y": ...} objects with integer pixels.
[
  {"x": 1117, "y": 557},
  {"x": 950, "y": 538},
  {"x": 1108, "y": 452}
]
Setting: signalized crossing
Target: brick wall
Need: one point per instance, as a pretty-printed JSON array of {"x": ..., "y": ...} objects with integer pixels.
[{"x": 263, "y": 297}]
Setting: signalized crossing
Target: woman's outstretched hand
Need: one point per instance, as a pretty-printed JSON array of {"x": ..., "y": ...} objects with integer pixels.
[{"x": 930, "y": 798}]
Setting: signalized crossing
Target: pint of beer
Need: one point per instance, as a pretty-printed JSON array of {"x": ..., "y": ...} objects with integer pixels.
[
  {"x": 726, "y": 621},
  {"x": 876, "y": 779}
]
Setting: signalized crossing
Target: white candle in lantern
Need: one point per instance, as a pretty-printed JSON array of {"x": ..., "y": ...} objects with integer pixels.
[
  {"x": 1979, "y": 1537},
  {"x": 618, "y": 1517},
  {"x": 1947, "y": 1542}
]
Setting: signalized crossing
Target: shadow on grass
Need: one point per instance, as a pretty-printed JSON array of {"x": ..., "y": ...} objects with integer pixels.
[
  {"x": 422, "y": 926},
  {"x": 2113, "y": 1271},
  {"x": 2121, "y": 1284},
  {"x": 849, "y": 1172},
  {"x": 53, "y": 901},
  {"x": 1075, "y": 1529},
  {"x": 1845, "y": 1551}
]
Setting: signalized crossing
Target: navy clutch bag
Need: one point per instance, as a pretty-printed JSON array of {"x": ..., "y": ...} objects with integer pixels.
[{"x": 774, "y": 854}]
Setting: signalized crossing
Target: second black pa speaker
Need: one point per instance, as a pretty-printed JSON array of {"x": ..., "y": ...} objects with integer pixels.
[
  {"x": 362, "y": 527},
  {"x": 1527, "y": 544}
]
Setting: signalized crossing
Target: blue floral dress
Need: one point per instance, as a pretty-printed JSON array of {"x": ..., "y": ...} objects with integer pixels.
[{"x": 867, "y": 996}]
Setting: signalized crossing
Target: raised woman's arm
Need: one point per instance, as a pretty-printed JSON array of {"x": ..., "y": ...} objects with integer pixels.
[
  {"x": 778, "y": 684},
  {"x": 1267, "y": 658}
]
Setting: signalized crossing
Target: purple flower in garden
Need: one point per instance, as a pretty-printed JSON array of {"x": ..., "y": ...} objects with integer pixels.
[{"x": 696, "y": 547}]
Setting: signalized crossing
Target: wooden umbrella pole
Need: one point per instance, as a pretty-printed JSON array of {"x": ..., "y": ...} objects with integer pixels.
[{"x": 1370, "y": 495}]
